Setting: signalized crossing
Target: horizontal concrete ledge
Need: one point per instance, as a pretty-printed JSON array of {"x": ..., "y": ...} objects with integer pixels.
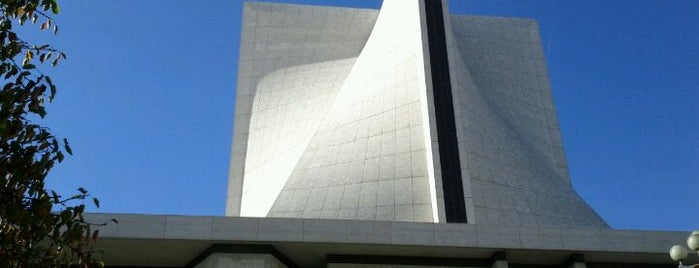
[
  {"x": 359, "y": 237},
  {"x": 383, "y": 232}
]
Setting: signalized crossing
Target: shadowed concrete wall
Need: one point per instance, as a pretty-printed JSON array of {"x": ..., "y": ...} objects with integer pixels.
[
  {"x": 228, "y": 260},
  {"x": 509, "y": 139}
]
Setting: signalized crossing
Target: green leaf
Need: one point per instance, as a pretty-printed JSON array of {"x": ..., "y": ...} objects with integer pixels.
[
  {"x": 13, "y": 71},
  {"x": 6, "y": 25},
  {"x": 55, "y": 8},
  {"x": 41, "y": 111},
  {"x": 53, "y": 92},
  {"x": 30, "y": 85},
  {"x": 56, "y": 197},
  {"x": 96, "y": 201},
  {"x": 65, "y": 215},
  {"x": 68, "y": 149}
]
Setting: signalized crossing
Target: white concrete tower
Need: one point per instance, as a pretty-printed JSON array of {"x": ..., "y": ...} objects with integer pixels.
[{"x": 408, "y": 113}]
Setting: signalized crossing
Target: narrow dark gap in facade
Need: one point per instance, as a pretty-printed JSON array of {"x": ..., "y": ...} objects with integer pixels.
[{"x": 454, "y": 205}]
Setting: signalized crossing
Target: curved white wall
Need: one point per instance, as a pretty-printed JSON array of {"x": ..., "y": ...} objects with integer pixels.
[
  {"x": 292, "y": 61},
  {"x": 367, "y": 160}
]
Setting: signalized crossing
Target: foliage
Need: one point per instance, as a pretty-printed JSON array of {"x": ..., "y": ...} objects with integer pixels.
[{"x": 38, "y": 227}]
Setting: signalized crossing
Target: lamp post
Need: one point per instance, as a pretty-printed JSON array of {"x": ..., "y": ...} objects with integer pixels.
[{"x": 679, "y": 253}]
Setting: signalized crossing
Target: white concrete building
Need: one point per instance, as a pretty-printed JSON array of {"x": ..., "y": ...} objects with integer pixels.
[
  {"x": 403, "y": 114},
  {"x": 400, "y": 137}
]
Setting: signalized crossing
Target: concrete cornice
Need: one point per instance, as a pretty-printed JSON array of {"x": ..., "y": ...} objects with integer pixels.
[{"x": 310, "y": 240}]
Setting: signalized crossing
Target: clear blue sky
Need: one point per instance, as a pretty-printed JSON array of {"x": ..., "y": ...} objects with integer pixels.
[{"x": 147, "y": 99}]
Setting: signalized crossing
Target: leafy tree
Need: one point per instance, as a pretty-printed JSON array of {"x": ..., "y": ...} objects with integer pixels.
[{"x": 38, "y": 227}]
